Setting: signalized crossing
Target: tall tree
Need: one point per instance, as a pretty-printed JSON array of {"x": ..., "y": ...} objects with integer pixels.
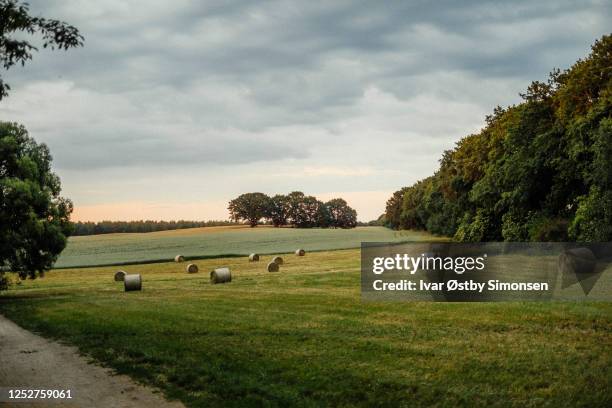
[
  {"x": 294, "y": 206},
  {"x": 278, "y": 210},
  {"x": 251, "y": 207},
  {"x": 340, "y": 214},
  {"x": 15, "y": 18},
  {"x": 34, "y": 219},
  {"x": 394, "y": 208},
  {"x": 307, "y": 213}
]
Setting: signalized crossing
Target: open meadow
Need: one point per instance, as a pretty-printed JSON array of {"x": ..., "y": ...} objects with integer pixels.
[
  {"x": 437, "y": 178},
  {"x": 303, "y": 337},
  {"x": 117, "y": 249}
]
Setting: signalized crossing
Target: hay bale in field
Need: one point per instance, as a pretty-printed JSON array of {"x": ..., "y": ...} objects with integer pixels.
[
  {"x": 179, "y": 258},
  {"x": 278, "y": 260},
  {"x": 132, "y": 282},
  {"x": 577, "y": 261},
  {"x": 192, "y": 268},
  {"x": 220, "y": 275},
  {"x": 253, "y": 258},
  {"x": 120, "y": 276},
  {"x": 272, "y": 267},
  {"x": 300, "y": 252}
]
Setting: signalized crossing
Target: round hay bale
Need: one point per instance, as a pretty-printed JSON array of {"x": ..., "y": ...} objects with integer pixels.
[
  {"x": 179, "y": 258},
  {"x": 192, "y": 268},
  {"x": 253, "y": 258},
  {"x": 132, "y": 282},
  {"x": 220, "y": 275},
  {"x": 577, "y": 260},
  {"x": 300, "y": 252},
  {"x": 120, "y": 276},
  {"x": 272, "y": 267},
  {"x": 278, "y": 260}
]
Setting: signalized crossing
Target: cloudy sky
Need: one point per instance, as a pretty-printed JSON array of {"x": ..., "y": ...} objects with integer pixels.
[{"x": 174, "y": 107}]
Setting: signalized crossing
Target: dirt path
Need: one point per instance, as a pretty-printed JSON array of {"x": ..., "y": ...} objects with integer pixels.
[{"x": 30, "y": 361}]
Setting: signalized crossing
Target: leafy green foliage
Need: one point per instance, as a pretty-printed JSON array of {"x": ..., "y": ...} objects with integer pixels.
[
  {"x": 278, "y": 210},
  {"x": 540, "y": 170},
  {"x": 306, "y": 213},
  {"x": 295, "y": 209},
  {"x": 393, "y": 210},
  {"x": 250, "y": 207},
  {"x": 34, "y": 219},
  {"x": 593, "y": 220},
  {"x": 15, "y": 18},
  {"x": 294, "y": 206},
  {"x": 340, "y": 215}
]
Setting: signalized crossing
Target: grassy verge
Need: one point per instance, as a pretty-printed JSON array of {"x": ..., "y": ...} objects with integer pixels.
[{"x": 302, "y": 337}]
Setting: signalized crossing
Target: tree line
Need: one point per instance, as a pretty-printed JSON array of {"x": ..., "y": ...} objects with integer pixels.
[
  {"x": 109, "y": 227},
  {"x": 296, "y": 209},
  {"x": 540, "y": 170}
]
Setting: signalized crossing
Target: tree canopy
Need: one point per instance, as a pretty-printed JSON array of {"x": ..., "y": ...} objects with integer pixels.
[
  {"x": 34, "y": 219},
  {"x": 540, "y": 170},
  {"x": 340, "y": 214},
  {"x": 250, "y": 207},
  {"x": 295, "y": 208}
]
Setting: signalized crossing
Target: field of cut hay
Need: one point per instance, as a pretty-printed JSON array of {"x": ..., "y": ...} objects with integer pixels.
[
  {"x": 303, "y": 337},
  {"x": 117, "y": 249}
]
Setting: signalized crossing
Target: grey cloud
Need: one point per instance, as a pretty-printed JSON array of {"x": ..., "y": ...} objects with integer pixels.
[
  {"x": 196, "y": 69},
  {"x": 90, "y": 155},
  {"x": 300, "y": 36}
]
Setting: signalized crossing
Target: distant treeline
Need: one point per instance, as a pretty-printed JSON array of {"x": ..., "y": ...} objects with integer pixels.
[
  {"x": 539, "y": 171},
  {"x": 295, "y": 209},
  {"x": 109, "y": 227},
  {"x": 373, "y": 223}
]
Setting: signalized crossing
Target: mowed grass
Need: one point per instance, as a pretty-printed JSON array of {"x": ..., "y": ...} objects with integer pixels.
[
  {"x": 303, "y": 337},
  {"x": 115, "y": 249}
]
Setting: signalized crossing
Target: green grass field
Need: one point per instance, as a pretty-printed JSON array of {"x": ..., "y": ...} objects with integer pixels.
[
  {"x": 303, "y": 337},
  {"x": 116, "y": 249}
]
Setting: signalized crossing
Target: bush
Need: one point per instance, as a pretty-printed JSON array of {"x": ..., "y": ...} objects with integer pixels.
[
  {"x": 475, "y": 229},
  {"x": 593, "y": 220},
  {"x": 548, "y": 229},
  {"x": 514, "y": 228}
]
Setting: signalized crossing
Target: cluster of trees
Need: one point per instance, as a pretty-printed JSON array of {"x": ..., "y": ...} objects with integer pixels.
[
  {"x": 372, "y": 223},
  {"x": 294, "y": 209},
  {"x": 109, "y": 227},
  {"x": 540, "y": 170}
]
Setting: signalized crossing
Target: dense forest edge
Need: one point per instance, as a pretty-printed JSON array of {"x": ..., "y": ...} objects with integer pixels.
[{"x": 540, "y": 170}]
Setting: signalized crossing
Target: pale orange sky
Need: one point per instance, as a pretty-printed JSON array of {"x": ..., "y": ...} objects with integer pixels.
[{"x": 369, "y": 205}]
